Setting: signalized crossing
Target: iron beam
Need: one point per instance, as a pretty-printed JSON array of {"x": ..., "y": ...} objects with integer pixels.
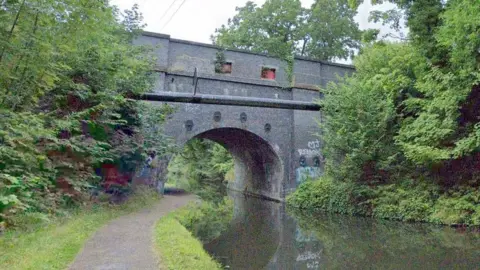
[{"x": 231, "y": 100}]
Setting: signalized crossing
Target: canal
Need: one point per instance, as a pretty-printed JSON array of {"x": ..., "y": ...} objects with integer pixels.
[{"x": 263, "y": 235}]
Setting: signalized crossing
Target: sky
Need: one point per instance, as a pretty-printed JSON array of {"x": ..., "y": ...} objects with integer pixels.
[{"x": 196, "y": 20}]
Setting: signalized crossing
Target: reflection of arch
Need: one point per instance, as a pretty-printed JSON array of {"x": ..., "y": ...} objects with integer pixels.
[
  {"x": 258, "y": 168},
  {"x": 253, "y": 236}
]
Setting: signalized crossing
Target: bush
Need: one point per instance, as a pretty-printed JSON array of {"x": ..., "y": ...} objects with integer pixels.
[
  {"x": 64, "y": 107},
  {"x": 419, "y": 201},
  {"x": 459, "y": 205},
  {"x": 324, "y": 194},
  {"x": 406, "y": 201}
]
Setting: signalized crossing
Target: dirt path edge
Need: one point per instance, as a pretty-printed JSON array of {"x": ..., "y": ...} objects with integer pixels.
[{"x": 127, "y": 242}]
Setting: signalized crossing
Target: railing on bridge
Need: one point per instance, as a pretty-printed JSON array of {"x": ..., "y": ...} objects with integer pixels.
[{"x": 231, "y": 100}]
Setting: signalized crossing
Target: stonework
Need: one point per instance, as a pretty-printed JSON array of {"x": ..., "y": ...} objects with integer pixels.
[{"x": 274, "y": 149}]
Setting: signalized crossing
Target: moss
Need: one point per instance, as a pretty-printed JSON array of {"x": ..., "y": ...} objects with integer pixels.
[{"x": 178, "y": 249}]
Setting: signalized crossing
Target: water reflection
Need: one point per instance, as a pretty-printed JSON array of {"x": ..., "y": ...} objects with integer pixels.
[
  {"x": 263, "y": 236},
  {"x": 253, "y": 236}
]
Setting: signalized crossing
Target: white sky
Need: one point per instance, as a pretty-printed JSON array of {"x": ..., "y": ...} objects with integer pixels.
[{"x": 196, "y": 20}]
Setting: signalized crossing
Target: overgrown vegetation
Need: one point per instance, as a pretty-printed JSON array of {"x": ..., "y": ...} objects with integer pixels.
[
  {"x": 67, "y": 69},
  {"x": 201, "y": 168},
  {"x": 402, "y": 135},
  {"x": 410, "y": 200},
  {"x": 56, "y": 245}
]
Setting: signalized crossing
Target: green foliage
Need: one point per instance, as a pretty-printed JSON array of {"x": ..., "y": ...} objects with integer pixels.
[
  {"x": 178, "y": 249},
  {"x": 283, "y": 28},
  {"x": 219, "y": 61},
  {"x": 364, "y": 113},
  {"x": 458, "y": 206},
  {"x": 201, "y": 168},
  {"x": 409, "y": 112},
  {"x": 206, "y": 220},
  {"x": 324, "y": 194},
  {"x": 331, "y": 32},
  {"x": 272, "y": 28},
  {"x": 66, "y": 70},
  {"x": 408, "y": 200},
  {"x": 405, "y": 201},
  {"x": 36, "y": 246}
]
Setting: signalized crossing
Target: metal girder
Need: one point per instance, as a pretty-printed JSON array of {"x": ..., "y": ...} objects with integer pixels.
[{"x": 231, "y": 100}]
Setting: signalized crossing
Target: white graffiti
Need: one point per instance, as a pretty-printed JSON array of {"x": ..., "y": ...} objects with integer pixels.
[
  {"x": 314, "y": 144},
  {"x": 308, "y": 255},
  {"x": 191, "y": 108},
  {"x": 309, "y": 152}
]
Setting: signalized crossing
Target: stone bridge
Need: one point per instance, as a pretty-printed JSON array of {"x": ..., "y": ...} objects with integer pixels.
[{"x": 274, "y": 149}]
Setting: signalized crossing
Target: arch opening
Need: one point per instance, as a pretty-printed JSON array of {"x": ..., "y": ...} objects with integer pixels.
[{"x": 258, "y": 168}]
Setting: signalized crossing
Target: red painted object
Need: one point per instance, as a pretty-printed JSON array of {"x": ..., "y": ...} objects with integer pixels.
[
  {"x": 268, "y": 74},
  {"x": 113, "y": 176},
  {"x": 227, "y": 68}
]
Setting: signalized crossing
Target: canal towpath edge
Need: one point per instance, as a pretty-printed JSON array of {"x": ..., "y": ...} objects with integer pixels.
[{"x": 127, "y": 242}]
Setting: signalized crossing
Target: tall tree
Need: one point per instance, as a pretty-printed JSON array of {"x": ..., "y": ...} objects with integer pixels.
[
  {"x": 331, "y": 30},
  {"x": 282, "y": 28},
  {"x": 422, "y": 17},
  {"x": 66, "y": 70},
  {"x": 273, "y": 28}
]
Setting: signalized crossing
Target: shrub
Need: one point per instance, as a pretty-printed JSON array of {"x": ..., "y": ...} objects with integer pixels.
[
  {"x": 324, "y": 194},
  {"x": 459, "y": 205},
  {"x": 419, "y": 201}
]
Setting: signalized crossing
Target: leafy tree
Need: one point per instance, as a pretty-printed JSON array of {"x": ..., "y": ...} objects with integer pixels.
[
  {"x": 363, "y": 114},
  {"x": 435, "y": 94},
  {"x": 66, "y": 71},
  {"x": 331, "y": 31},
  {"x": 421, "y": 17},
  {"x": 282, "y": 28},
  {"x": 407, "y": 122},
  {"x": 273, "y": 28},
  {"x": 201, "y": 168}
]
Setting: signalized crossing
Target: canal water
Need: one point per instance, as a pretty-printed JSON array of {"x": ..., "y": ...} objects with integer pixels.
[{"x": 262, "y": 235}]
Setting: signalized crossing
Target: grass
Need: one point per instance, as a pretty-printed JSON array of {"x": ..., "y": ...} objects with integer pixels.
[
  {"x": 55, "y": 245},
  {"x": 178, "y": 249}
]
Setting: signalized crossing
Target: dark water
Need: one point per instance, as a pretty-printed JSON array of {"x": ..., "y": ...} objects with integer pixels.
[{"x": 263, "y": 236}]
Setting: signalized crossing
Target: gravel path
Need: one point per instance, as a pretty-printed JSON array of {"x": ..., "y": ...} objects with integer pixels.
[{"x": 127, "y": 242}]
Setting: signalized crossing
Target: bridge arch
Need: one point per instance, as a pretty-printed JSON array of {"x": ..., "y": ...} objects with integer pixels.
[{"x": 258, "y": 168}]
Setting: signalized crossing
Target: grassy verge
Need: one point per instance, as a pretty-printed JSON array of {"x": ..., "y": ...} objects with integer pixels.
[
  {"x": 55, "y": 246},
  {"x": 178, "y": 249}
]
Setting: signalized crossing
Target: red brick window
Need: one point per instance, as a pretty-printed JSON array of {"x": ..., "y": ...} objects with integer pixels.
[
  {"x": 268, "y": 73},
  {"x": 223, "y": 68},
  {"x": 226, "y": 67}
]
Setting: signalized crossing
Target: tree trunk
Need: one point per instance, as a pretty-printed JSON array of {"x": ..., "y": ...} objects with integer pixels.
[{"x": 13, "y": 28}]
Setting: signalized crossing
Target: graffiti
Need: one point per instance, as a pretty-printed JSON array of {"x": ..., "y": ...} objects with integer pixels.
[
  {"x": 314, "y": 144},
  {"x": 312, "y": 150},
  {"x": 303, "y": 237},
  {"x": 308, "y": 152},
  {"x": 308, "y": 255},
  {"x": 191, "y": 108},
  {"x": 304, "y": 173}
]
